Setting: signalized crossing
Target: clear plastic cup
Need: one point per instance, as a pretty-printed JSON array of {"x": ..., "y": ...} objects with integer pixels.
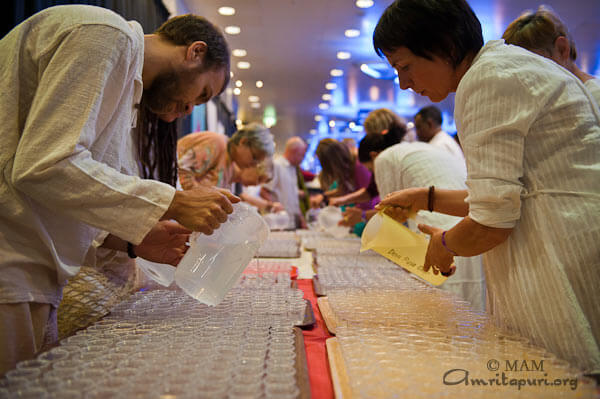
[{"x": 213, "y": 264}]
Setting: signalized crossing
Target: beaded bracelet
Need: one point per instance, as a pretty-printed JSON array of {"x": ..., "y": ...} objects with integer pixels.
[{"x": 445, "y": 246}]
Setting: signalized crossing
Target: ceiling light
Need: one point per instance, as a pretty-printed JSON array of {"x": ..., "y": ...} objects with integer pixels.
[
  {"x": 230, "y": 74},
  {"x": 318, "y": 118},
  {"x": 238, "y": 122},
  {"x": 336, "y": 72},
  {"x": 231, "y": 10},
  {"x": 352, "y": 33},
  {"x": 239, "y": 52},
  {"x": 364, "y": 3},
  {"x": 326, "y": 97},
  {"x": 237, "y": 91},
  {"x": 323, "y": 106},
  {"x": 410, "y": 125},
  {"x": 255, "y": 105},
  {"x": 331, "y": 123},
  {"x": 312, "y": 131},
  {"x": 343, "y": 55},
  {"x": 330, "y": 86},
  {"x": 238, "y": 83},
  {"x": 259, "y": 83},
  {"x": 253, "y": 99},
  {"x": 370, "y": 71},
  {"x": 351, "y": 125},
  {"x": 233, "y": 30},
  {"x": 243, "y": 65}
]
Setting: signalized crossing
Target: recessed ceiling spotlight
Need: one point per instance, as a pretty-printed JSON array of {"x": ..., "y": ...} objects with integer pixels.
[
  {"x": 343, "y": 55},
  {"x": 312, "y": 131},
  {"x": 336, "y": 72},
  {"x": 230, "y": 10},
  {"x": 323, "y": 106},
  {"x": 318, "y": 118},
  {"x": 259, "y": 83},
  {"x": 331, "y": 123},
  {"x": 233, "y": 30},
  {"x": 238, "y": 122},
  {"x": 253, "y": 99},
  {"x": 364, "y": 3},
  {"x": 352, "y": 32},
  {"x": 351, "y": 125},
  {"x": 326, "y": 97},
  {"x": 243, "y": 65},
  {"x": 238, "y": 83},
  {"x": 331, "y": 86},
  {"x": 237, "y": 91},
  {"x": 230, "y": 74},
  {"x": 239, "y": 52},
  {"x": 255, "y": 105}
]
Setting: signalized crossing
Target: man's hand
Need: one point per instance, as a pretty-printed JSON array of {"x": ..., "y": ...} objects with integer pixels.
[
  {"x": 201, "y": 209},
  {"x": 165, "y": 243}
]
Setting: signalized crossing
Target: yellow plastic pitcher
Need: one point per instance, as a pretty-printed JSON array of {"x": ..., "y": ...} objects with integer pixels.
[{"x": 402, "y": 246}]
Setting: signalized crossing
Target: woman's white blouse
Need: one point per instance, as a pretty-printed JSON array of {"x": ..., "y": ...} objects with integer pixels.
[{"x": 531, "y": 137}]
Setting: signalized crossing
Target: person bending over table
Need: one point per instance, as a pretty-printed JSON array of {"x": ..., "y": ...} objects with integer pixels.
[{"x": 531, "y": 139}]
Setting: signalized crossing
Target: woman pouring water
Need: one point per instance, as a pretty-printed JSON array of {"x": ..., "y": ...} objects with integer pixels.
[{"x": 531, "y": 138}]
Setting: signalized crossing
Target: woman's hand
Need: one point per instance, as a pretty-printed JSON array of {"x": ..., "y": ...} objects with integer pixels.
[
  {"x": 437, "y": 256},
  {"x": 400, "y": 205},
  {"x": 352, "y": 215},
  {"x": 165, "y": 243}
]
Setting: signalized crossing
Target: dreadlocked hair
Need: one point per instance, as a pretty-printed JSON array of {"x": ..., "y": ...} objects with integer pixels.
[{"x": 157, "y": 146}]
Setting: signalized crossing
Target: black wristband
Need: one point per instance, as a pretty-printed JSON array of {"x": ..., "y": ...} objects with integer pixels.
[
  {"x": 130, "y": 251},
  {"x": 430, "y": 198}
]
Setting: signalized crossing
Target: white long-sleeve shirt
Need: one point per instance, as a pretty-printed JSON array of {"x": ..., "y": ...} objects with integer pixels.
[
  {"x": 71, "y": 76},
  {"x": 531, "y": 138},
  {"x": 285, "y": 185},
  {"x": 444, "y": 141},
  {"x": 418, "y": 164}
]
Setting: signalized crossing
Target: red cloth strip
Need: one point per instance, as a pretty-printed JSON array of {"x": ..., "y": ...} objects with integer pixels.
[{"x": 321, "y": 386}]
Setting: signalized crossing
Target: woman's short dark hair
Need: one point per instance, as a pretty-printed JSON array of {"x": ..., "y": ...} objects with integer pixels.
[
  {"x": 446, "y": 28},
  {"x": 184, "y": 30}
]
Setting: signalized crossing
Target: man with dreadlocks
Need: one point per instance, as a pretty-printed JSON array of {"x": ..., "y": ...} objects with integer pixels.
[{"x": 73, "y": 79}]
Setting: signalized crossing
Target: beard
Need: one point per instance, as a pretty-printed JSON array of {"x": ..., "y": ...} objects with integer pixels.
[{"x": 161, "y": 97}]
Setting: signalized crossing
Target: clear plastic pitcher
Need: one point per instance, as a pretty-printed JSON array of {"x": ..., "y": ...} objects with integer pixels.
[
  {"x": 278, "y": 221},
  {"x": 162, "y": 273},
  {"x": 213, "y": 264},
  {"x": 329, "y": 218}
]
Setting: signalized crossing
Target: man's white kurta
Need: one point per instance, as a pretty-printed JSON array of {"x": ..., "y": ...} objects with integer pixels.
[{"x": 71, "y": 77}]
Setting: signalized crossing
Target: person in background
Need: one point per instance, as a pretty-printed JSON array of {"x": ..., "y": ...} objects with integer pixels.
[
  {"x": 342, "y": 174},
  {"x": 68, "y": 151},
  {"x": 531, "y": 137},
  {"x": 382, "y": 121},
  {"x": 397, "y": 166},
  {"x": 287, "y": 178},
  {"x": 428, "y": 124},
  {"x": 350, "y": 143},
  {"x": 543, "y": 33},
  {"x": 213, "y": 159}
]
